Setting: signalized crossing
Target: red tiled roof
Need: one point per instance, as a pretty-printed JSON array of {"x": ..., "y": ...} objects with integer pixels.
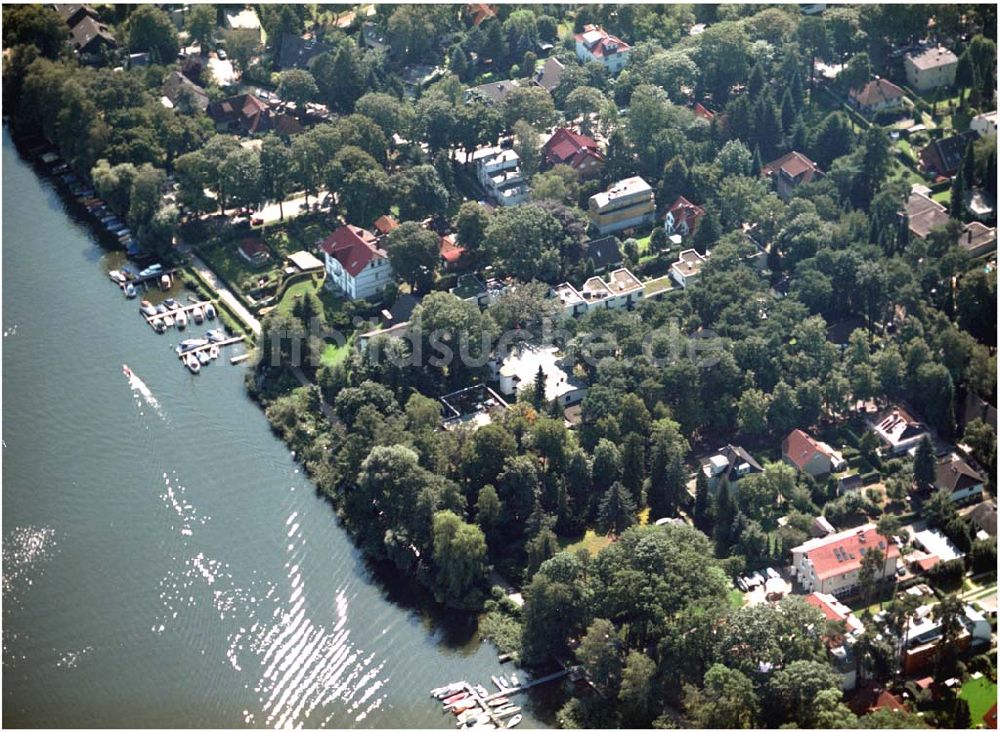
[
  {"x": 479, "y": 12},
  {"x": 384, "y": 224},
  {"x": 870, "y": 698},
  {"x": 990, "y": 718},
  {"x": 793, "y": 164},
  {"x": 830, "y": 614},
  {"x": 799, "y": 448},
  {"x": 876, "y": 91},
  {"x": 606, "y": 46},
  {"x": 570, "y": 148},
  {"x": 684, "y": 210},
  {"x": 353, "y": 247},
  {"x": 701, "y": 111},
  {"x": 251, "y": 246},
  {"x": 826, "y": 558},
  {"x": 450, "y": 251}
]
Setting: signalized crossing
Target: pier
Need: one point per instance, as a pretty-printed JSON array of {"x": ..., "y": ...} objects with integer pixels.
[
  {"x": 477, "y": 706},
  {"x": 186, "y": 309},
  {"x": 136, "y": 281},
  {"x": 219, "y": 344}
]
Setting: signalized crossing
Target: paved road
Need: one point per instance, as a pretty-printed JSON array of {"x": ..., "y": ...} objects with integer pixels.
[
  {"x": 293, "y": 207},
  {"x": 231, "y": 300}
]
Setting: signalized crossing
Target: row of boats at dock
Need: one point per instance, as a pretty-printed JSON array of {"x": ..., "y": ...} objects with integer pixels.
[
  {"x": 198, "y": 352},
  {"x": 170, "y": 313},
  {"x": 475, "y": 708}
]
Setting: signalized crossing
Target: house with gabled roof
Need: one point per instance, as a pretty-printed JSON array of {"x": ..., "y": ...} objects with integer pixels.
[
  {"x": 682, "y": 217},
  {"x": 810, "y": 456},
  {"x": 944, "y": 157},
  {"x": 549, "y": 74},
  {"x": 789, "y": 172},
  {"x": 579, "y": 152},
  {"x": 243, "y": 112},
  {"x": 384, "y": 224},
  {"x": 493, "y": 93},
  {"x": 478, "y": 12},
  {"x": 729, "y": 464},
  {"x": 90, "y": 35},
  {"x": 832, "y": 564},
  {"x": 958, "y": 479},
  {"x": 451, "y": 253},
  {"x": 596, "y": 44},
  {"x": 179, "y": 89},
  {"x": 878, "y": 95},
  {"x": 73, "y": 13},
  {"x": 355, "y": 263},
  {"x": 297, "y": 52}
]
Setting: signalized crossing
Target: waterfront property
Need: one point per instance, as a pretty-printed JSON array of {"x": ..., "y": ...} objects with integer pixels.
[{"x": 356, "y": 265}]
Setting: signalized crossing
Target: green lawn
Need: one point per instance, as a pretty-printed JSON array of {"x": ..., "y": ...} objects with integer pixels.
[
  {"x": 334, "y": 354},
  {"x": 943, "y": 197},
  {"x": 981, "y": 694},
  {"x": 644, "y": 243},
  {"x": 226, "y": 260},
  {"x": 296, "y": 291},
  {"x": 591, "y": 541},
  {"x": 736, "y": 599}
]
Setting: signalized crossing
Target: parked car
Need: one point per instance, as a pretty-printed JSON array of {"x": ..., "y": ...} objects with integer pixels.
[{"x": 221, "y": 53}]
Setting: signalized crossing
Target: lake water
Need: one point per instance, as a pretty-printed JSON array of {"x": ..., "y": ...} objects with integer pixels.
[{"x": 165, "y": 562}]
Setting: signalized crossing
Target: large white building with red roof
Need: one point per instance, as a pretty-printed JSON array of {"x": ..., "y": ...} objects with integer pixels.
[
  {"x": 596, "y": 44},
  {"x": 832, "y": 564},
  {"x": 355, "y": 264}
]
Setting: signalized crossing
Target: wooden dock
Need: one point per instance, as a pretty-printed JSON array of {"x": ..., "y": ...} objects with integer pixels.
[
  {"x": 186, "y": 309},
  {"x": 498, "y": 718},
  {"x": 136, "y": 281},
  {"x": 208, "y": 346}
]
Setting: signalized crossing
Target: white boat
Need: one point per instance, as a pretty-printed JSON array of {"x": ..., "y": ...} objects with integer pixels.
[
  {"x": 127, "y": 371},
  {"x": 209, "y": 311},
  {"x": 213, "y": 352},
  {"x": 182, "y": 320},
  {"x": 171, "y": 303},
  {"x": 499, "y": 683},
  {"x": 159, "y": 326},
  {"x": 188, "y": 344},
  {"x": 151, "y": 270},
  {"x": 197, "y": 316},
  {"x": 168, "y": 320},
  {"x": 117, "y": 276},
  {"x": 498, "y": 702},
  {"x": 203, "y": 357},
  {"x": 130, "y": 291},
  {"x": 481, "y": 690},
  {"x": 165, "y": 282},
  {"x": 192, "y": 363},
  {"x": 148, "y": 309},
  {"x": 514, "y": 680},
  {"x": 514, "y": 721}
]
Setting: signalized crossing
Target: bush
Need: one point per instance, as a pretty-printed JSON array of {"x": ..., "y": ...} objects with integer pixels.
[
  {"x": 870, "y": 478},
  {"x": 947, "y": 576}
]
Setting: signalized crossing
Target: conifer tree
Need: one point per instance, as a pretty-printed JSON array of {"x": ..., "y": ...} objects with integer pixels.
[{"x": 617, "y": 510}]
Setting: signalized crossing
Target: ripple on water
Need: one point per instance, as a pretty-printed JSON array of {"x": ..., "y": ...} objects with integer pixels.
[{"x": 25, "y": 551}]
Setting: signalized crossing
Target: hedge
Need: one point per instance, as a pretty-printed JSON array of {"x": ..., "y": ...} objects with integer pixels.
[{"x": 870, "y": 478}]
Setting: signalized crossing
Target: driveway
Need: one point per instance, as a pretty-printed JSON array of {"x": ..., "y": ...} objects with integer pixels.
[
  {"x": 271, "y": 213},
  {"x": 222, "y": 71},
  {"x": 231, "y": 300}
]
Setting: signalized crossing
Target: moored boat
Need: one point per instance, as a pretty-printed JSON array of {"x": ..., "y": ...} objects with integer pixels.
[
  {"x": 500, "y": 701},
  {"x": 168, "y": 320},
  {"x": 165, "y": 282},
  {"x": 209, "y": 311},
  {"x": 148, "y": 308},
  {"x": 514, "y": 680},
  {"x": 514, "y": 721},
  {"x": 192, "y": 363},
  {"x": 481, "y": 690},
  {"x": 181, "y": 320},
  {"x": 130, "y": 292},
  {"x": 203, "y": 357},
  {"x": 213, "y": 352},
  {"x": 197, "y": 316}
]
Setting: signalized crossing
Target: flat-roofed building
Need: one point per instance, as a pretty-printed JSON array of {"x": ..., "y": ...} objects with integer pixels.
[
  {"x": 473, "y": 407},
  {"x": 930, "y": 68},
  {"x": 521, "y": 366},
  {"x": 984, "y": 124},
  {"x": 629, "y": 202},
  {"x": 687, "y": 267}
]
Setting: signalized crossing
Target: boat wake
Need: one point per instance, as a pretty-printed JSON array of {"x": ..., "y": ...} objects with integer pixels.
[{"x": 143, "y": 392}]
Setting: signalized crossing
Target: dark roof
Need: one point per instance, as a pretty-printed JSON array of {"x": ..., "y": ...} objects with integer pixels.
[
  {"x": 403, "y": 308},
  {"x": 550, "y": 74},
  {"x": 254, "y": 248},
  {"x": 606, "y": 251},
  {"x": 89, "y": 35},
  {"x": 985, "y": 517},
  {"x": 74, "y": 13},
  {"x": 246, "y": 109},
  {"x": 850, "y": 482},
  {"x": 954, "y": 474},
  {"x": 945, "y": 156},
  {"x": 192, "y": 68},
  {"x": 737, "y": 456},
  {"x": 176, "y": 84},
  {"x": 297, "y": 52},
  {"x": 496, "y": 91}
]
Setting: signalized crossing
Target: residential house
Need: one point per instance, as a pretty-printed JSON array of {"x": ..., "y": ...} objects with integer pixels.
[
  {"x": 451, "y": 253},
  {"x": 790, "y": 171},
  {"x": 385, "y": 224},
  {"x": 984, "y": 518},
  {"x": 687, "y": 268},
  {"x": 944, "y": 157},
  {"x": 596, "y": 44},
  {"x": 839, "y": 644},
  {"x": 832, "y": 564},
  {"x": 703, "y": 112},
  {"x": 244, "y": 112},
  {"x": 297, "y": 52},
  {"x": 245, "y": 19},
  {"x": 579, "y": 152},
  {"x": 810, "y": 456},
  {"x": 355, "y": 264},
  {"x": 374, "y": 38},
  {"x": 930, "y": 68},
  {"x": 192, "y": 67},
  {"x": 925, "y": 636},
  {"x": 254, "y": 251},
  {"x": 549, "y": 74},
  {"x": 499, "y": 173},
  {"x": 959, "y": 479},
  {"x": 139, "y": 60},
  {"x": 90, "y": 36},
  {"x": 871, "y": 698},
  {"x": 923, "y": 212},
  {"x": 605, "y": 252},
  {"x": 849, "y": 484},
  {"x": 898, "y": 430},
  {"x": 474, "y": 406},
  {"x": 520, "y": 367},
  {"x": 930, "y": 548},
  {"x": 621, "y": 289},
  {"x": 74, "y": 13},
  {"x": 183, "y": 93},
  {"x": 476, "y": 13},
  {"x": 682, "y": 217},
  {"x": 629, "y": 202},
  {"x": 984, "y": 124},
  {"x": 729, "y": 464},
  {"x": 494, "y": 92},
  {"x": 878, "y": 95},
  {"x": 303, "y": 261},
  {"x": 470, "y": 288}
]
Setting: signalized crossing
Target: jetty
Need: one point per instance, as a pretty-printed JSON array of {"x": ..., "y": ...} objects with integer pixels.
[
  {"x": 136, "y": 280},
  {"x": 475, "y": 706},
  {"x": 186, "y": 309},
  {"x": 219, "y": 344}
]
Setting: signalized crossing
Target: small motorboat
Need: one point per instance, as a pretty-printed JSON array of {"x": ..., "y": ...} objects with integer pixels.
[
  {"x": 203, "y": 357},
  {"x": 213, "y": 352},
  {"x": 127, "y": 371},
  {"x": 481, "y": 690},
  {"x": 454, "y": 697},
  {"x": 116, "y": 276},
  {"x": 159, "y": 326},
  {"x": 500, "y": 701},
  {"x": 130, "y": 292},
  {"x": 181, "y": 320},
  {"x": 171, "y": 303},
  {"x": 151, "y": 270},
  {"x": 209, "y": 311},
  {"x": 499, "y": 683},
  {"x": 197, "y": 316},
  {"x": 192, "y": 363},
  {"x": 215, "y": 335},
  {"x": 165, "y": 282},
  {"x": 514, "y": 721},
  {"x": 168, "y": 320},
  {"x": 514, "y": 680},
  {"x": 148, "y": 309},
  {"x": 161, "y": 309}
]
